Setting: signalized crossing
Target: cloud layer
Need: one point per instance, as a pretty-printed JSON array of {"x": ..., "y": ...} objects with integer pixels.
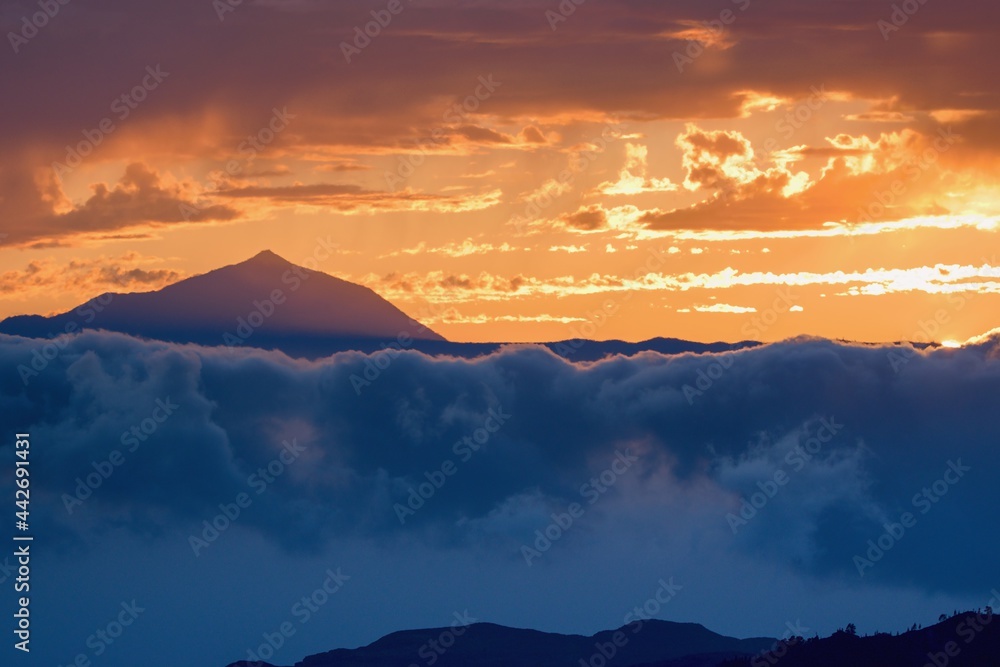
[{"x": 859, "y": 431}]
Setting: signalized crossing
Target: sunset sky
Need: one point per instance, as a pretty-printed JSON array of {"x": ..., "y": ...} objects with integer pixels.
[
  {"x": 818, "y": 175},
  {"x": 709, "y": 171}
]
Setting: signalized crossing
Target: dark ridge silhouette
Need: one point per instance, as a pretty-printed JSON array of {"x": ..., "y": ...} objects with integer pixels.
[
  {"x": 968, "y": 639},
  {"x": 489, "y": 645},
  {"x": 578, "y": 349},
  {"x": 319, "y": 315},
  {"x": 964, "y": 640}
]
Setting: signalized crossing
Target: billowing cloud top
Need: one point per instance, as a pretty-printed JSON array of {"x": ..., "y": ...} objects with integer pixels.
[{"x": 828, "y": 443}]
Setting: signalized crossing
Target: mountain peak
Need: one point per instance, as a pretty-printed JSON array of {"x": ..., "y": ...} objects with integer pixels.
[
  {"x": 265, "y": 260},
  {"x": 266, "y": 256},
  {"x": 265, "y": 301},
  {"x": 490, "y": 645}
]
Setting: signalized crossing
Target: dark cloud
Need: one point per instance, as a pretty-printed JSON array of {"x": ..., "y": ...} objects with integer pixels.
[
  {"x": 297, "y": 192},
  {"x": 139, "y": 198},
  {"x": 399, "y": 90},
  {"x": 87, "y": 276},
  {"x": 347, "y": 197},
  {"x": 533, "y": 135},
  {"x": 602, "y": 59},
  {"x": 483, "y": 135},
  {"x": 706, "y": 429},
  {"x": 751, "y": 193},
  {"x": 588, "y": 219}
]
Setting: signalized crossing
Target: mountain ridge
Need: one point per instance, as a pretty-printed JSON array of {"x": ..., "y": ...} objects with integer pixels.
[
  {"x": 493, "y": 645},
  {"x": 264, "y": 301},
  {"x": 234, "y": 306},
  {"x": 270, "y": 303},
  {"x": 966, "y": 639}
]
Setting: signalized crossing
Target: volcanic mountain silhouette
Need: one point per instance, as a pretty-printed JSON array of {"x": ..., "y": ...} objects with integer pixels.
[{"x": 265, "y": 301}]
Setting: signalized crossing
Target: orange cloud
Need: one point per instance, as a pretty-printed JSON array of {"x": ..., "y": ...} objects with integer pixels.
[
  {"x": 86, "y": 277},
  {"x": 140, "y": 199},
  {"x": 632, "y": 180},
  {"x": 353, "y": 199}
]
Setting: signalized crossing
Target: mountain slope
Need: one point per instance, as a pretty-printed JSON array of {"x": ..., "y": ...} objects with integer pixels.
[
  {"x": 968, "y": 639},
  {"x": 270, "y": 303},
  {"x": 489, "y": 645},
  {"x": 964, "y": 640},
  {"x": 265, "y": 301}
]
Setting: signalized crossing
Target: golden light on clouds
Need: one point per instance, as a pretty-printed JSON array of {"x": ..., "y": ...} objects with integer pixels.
[{"x": 525, "y": 175}]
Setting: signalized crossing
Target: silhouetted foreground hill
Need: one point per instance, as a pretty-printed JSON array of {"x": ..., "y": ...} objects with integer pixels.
[
  {"x": 965, "y": 640},
  {"x": 489, "y": 645}
]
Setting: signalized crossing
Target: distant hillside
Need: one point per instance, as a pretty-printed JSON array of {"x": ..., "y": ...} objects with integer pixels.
[
  {"x": 965, "y": 640},
  {"x": 489, "y": 645},
  {"x": 968, "y": 639}
]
